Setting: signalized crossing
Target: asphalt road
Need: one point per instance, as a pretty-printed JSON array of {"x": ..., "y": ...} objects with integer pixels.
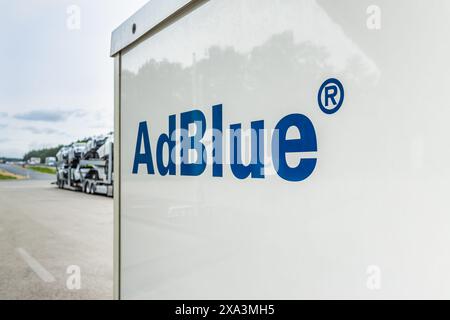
[
  {"x": 49, "y": 236},
  {"x": 30, "y": 174}
]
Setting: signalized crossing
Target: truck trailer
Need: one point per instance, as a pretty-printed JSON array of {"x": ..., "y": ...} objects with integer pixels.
[{"x": 87, "y": 167}]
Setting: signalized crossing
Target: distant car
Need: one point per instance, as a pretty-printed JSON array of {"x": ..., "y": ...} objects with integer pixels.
[
  {"x": 77, "y": 151},
  {"x": 107, "y": 147},
  {"x": 50, "y": 161},
  {"x": 63, "y": 154},
  {"x": 93, "y": 144}
]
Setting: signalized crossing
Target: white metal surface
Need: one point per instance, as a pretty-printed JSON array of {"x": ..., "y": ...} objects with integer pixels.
[
  {"x": 152, "y": 14},
  {"x": 372, "y": 221}
]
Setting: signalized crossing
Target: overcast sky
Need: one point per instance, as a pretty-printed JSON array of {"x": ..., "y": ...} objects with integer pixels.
[{"x": 57, "y": 76}]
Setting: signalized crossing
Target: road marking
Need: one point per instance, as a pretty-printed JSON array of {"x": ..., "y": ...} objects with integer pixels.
[{"x": 36, "y": 266}]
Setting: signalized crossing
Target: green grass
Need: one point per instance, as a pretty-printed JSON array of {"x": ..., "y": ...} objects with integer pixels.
[
  {"x": 46, "y": 170},
  {"x": 3, "y": 177}
]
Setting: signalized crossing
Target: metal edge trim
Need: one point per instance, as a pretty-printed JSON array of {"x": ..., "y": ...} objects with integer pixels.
[
  {"x": 117, "y": 170},
  {"x": 146, "y": 19}
]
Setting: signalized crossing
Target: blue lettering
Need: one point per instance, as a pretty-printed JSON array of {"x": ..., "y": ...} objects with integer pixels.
[
  {"x": 196, "y": 168},
  {"x": 256, "y": 166},
  {"x": 306, "y": 143},
  {"x": 170, "y": 141},
  {"x": 146, "y": 157},
  {"x": 217, "y": 141},
  {"x": 193, "y": 145}
]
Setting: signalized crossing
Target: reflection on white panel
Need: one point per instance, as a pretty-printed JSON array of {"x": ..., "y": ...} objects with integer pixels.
[{"x": 370, "y": 222}]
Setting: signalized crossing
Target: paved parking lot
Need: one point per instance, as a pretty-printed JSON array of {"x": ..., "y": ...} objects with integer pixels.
[{"x": 49, "y": 236}]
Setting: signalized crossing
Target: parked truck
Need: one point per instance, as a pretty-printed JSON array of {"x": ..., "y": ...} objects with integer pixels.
[
  {"x": 34, "y": 161},
  {"x": 50, "y": 161},
  {"x": 87, "y": 167}
]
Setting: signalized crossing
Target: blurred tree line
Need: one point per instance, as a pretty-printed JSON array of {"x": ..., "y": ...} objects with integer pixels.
[{"x": 43, "y": 153}]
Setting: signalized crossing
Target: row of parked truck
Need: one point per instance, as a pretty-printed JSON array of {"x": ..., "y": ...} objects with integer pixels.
[{"x": 87, "y": 166}]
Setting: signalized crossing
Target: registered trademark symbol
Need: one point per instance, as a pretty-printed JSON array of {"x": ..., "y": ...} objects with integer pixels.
[{"x": 331, "y": 96}]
